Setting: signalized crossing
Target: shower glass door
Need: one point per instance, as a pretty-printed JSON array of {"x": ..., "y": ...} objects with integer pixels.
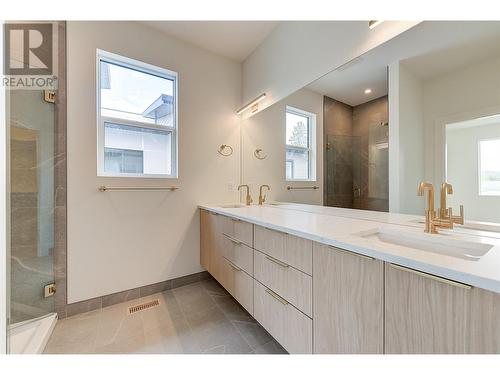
[
  {"x": 357, "y": 170},
  {"x": 339, "y": 171},
  {"x": 32, "y": 204}
]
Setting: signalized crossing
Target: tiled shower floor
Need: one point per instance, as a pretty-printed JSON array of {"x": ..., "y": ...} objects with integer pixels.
[{"x": 196, "y": 318}]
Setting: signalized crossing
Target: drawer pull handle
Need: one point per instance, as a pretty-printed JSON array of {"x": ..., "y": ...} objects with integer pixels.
[
  {"x": 236, "y": 220},
  {"x": 233, "y": 265},
  {"x": 432, "y": 277},
  {"x": 275, "y": 296},
  {"x": 279, "y": 263},
  {"x": 352, "y": 253},
  {"x": 273, "y": 230},
  {"x": 233, "y": 240}
]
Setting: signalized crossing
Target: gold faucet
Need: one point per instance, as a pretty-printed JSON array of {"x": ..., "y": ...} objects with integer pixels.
[
  {"x": 460, "y": 218},
  {"x": 431, "y": 221},
  {"x": 446, "y": 188},
  {"x": 430, "y": 198},
  {"x": 445, "y": 212},
  {"x": 262, "y": 198},
  {"x": 248, "y": 197}
]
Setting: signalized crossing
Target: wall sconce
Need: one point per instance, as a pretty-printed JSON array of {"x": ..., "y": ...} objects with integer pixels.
[{"x": 253, "y": 104}]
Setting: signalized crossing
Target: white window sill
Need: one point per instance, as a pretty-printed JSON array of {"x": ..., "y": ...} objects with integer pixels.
[{"x": 134, "y": 175}]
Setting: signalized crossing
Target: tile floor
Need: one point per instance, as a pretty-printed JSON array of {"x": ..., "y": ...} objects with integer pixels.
[{"x": 196, "y": 318}]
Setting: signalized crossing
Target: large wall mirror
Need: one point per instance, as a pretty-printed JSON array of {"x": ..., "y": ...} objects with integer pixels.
[{"x": 424, "y": 106}]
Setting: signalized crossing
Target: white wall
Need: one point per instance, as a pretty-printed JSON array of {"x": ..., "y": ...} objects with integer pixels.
[
  {"x": 122, "y": 240},
  {"x": 406, "y": 140},
  {"x": 463, "y": 174},
  {"x": 419, "y": 111},
  {"x": 297, "y": 53},
  {"x": 266, "y": 130},
  {"x": 464, "y": 94}
]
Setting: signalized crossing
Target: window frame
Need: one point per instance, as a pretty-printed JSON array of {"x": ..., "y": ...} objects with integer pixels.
[
  {"x": 311, "y": 138},
  {"x": 102, "y": 120},
  {"x": 479, "y": 170}
]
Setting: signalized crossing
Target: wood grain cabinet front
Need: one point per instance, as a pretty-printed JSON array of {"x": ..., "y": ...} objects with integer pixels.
[
  {"x": 290, "y": 327},
  {"x": 209, "y": 241},
  {"x": 238, "y": 283},
  {"x": 287, "y": 248},
  {"x": 483, "y": 336},
  {"x": 237, "y": 229},
  {"x": 348, "y": 302},
  {"x": 237, "y": 252},
  {"x": 428, "y": 314},
  {"x": 293, "y": 285},
  {"x": 205, "y": 239},
  {"x": 359, "y": 305},
  {"x": 424, "y": 314}
]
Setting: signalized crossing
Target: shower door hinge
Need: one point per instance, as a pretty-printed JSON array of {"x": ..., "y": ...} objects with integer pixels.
[
  {"x": 49, "y": 96},
  {"x": 49, "y": 290}
]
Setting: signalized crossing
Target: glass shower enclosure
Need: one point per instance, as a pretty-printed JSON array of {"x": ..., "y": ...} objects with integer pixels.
[
  {"x": 33, "y": 180},
  {"x": 357, "y": 162}
]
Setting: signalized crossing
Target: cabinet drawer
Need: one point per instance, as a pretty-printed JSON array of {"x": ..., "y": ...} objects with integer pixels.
[
  {"x": 287, "y": 248},
  {"x": 290, "y": 283},
  {"x": 238, "y": 253},
  {"x": 237, "y": 229},
  {"x": 238, "y": 284},
  {"x": 291, "y": 328}
]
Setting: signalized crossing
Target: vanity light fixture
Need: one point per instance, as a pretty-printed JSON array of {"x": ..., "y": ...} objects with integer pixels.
[
  {"x": 253, "y": 104},
  {"x": 368, "y": 91},
  {"x": 373, "y": 24}
]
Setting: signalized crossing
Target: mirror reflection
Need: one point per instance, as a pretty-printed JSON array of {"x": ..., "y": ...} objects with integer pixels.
[{"x": 424, "y": 106}]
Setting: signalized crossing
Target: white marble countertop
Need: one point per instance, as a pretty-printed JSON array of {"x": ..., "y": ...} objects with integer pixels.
[{"x": 341, "y": 228}]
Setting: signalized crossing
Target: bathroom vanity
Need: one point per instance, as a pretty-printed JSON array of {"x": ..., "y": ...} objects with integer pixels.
[{"x": 325, "y": 281}]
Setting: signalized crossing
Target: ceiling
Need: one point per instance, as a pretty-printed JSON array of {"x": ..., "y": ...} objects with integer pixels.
[
  {"x": 235, "y": 40},
  {"x": 429, "y": 49}
]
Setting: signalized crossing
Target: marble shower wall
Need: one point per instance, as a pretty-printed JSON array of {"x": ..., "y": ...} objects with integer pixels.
[{"x": 338, "y": 168}]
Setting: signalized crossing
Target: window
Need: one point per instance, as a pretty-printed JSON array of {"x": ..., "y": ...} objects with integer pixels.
[
  {"x": 137, "y": 118},
  {"x": 300, "y": 160},
  {"x": 489, "y": 167}
]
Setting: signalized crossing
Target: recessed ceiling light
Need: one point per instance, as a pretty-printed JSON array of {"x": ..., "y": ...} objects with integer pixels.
[
  {"x": 374, "y": 23},
  {"x": 368, "y": 91}
]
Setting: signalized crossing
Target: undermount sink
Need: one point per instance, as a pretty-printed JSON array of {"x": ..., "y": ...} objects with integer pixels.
[
  {"x": 430, "y": 242},
  {"x": 232, "y": 205}
]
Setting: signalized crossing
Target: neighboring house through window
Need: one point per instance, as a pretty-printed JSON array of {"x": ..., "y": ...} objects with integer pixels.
[
  {"x": 300, "y": 161},
  {"x": 137, "y": 118}
]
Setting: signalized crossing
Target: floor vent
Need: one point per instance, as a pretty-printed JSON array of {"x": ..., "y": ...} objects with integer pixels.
[{"x": 143, "y": 306}]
